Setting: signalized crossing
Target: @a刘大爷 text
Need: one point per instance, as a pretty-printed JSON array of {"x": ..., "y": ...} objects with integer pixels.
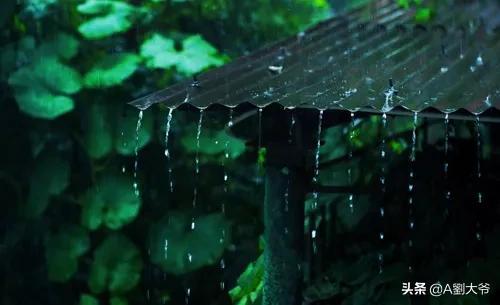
[{"x": 441, "y": 289}]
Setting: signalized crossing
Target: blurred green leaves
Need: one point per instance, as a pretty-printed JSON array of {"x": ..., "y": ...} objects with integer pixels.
[
  {"x": 196, "y": 54},
  {"x": 42, "y": 87},
  {"x": 178, "y": 248},
  {"x": 249, "y": 284},
  {"x": 112, "y": 70},
  {"x": 116, "y": 267},
  {"x": 109, "y": 17},
  {"x": 110, "y": 202},
  {"x": 50, "y": 177},
  {"x": 106, "y": 132},
  {"x": 212, "y": 142},
  {"x": 62, "y": 250}
]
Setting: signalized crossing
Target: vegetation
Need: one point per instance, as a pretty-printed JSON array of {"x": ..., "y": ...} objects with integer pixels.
[{"x": 74, "y": 230}]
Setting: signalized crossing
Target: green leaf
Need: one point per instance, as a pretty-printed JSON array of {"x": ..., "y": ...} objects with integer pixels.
[
  {"x": 39, "y": 88},
  {"x": 61, "y": 45},
  {"x": 101, "y": 27},
  {"x": 50, "y": 177},
  {"x": 116, "y": 267},
  {"x": 40, "y": 103},
  {"x": 94, "y": 7},
  {"x": 125, "y": 131},
  {"x": 159, "y": 52},
  {"x": 197, "y": 55},
  {"x": 118, "y": 301},
  {"x": 111, "y": 202},
  {"x": 98, "y": 136},
  {"x": 249, "y": 284},
  {"x": 112, "y": 70},
  {"x": 62, "y": 251},
  {"x": 423, "y": 15},
  {"x": 87, "y": 299},
  {"x": 178, "y": 249},
  {"x": 57, "y": 77},
  {"x": 116, "y": 17}
]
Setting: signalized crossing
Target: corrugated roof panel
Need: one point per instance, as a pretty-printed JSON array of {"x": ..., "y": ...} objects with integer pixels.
[{"x": 358, "y": 61}]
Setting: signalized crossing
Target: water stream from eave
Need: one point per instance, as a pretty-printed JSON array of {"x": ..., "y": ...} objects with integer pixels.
[
  {"x": 167, "y": 150},
  {"x": 479, "y": 235},
  {"x": 195, "y": 190},
  {"x": 315, "y": 180},
  {"x": 447, "y": 191},
  {"x": 136, "y": 152},
  {"x": 290, "y": 141},
  {"x": 349, "y": 170},
  {"x": 383, "y": 188},
  {"x": 225, "y": 161},
  {"x": 411, "y": 184}
]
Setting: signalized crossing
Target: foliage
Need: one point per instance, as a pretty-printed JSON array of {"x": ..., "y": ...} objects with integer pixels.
[
  {"x": 181, "y": 244},
  {"x": 111, "y": 202},
  {"x": 249, "y": 284},
  {"x": 50, "y": 177},
  {"x": 62, "y": 251},
  {"x": 116, "y": 267}
]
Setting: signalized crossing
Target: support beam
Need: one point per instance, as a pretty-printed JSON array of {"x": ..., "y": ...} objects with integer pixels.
[{"x": 284, "y": 236}]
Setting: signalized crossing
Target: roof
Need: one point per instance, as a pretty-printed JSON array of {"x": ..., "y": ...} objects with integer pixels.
[{"x": 371, "y": 59}]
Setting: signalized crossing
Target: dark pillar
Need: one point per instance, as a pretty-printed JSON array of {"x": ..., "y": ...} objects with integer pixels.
[{"x": 284, "y": 236}]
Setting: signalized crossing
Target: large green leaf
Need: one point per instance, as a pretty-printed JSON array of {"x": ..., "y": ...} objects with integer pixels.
[
  {"x": 197, "y": 55},
  {"x": 62, "y": 251},
  {"x": 111, "y": 202},
  {"x": 159, "y": 52},
  {"x": 178, "y": 249},
  {"x": 57, "y": 77},
  {"x": 49, "y": 177},
  {"x": 41, "y": 88},
  {"x": 112, "y": 70},
  {"x": 114, "y": 17},
  {"x": 61, "y": 44},
  {"x": 116, "y": 267},
  {"x": 41, "y": 103}
]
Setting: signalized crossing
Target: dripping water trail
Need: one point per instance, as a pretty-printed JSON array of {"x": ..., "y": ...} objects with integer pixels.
[
  {"x": 447, "y": 192},
  {"x": 222, "y": 263},
  {"x": 167, "y": 150},
  {"x": 315, "y": 179},
  {"x": 383, "y": 189},
  {"x": 478, "y": 176},
  {"x": 259, "y": 147},
  {"x": 290, "y": 141},
  {"x": 411, "y": 184},
  {"x": 136, "y": 153},
  {"x": 195, "y": 190},
  {"x": 349, "y": 170}
]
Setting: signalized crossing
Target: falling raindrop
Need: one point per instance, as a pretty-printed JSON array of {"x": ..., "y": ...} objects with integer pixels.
[
  {"x": 447, "y": 193},
  {"x": 316, "y": 158},
  {"x": 136, "y": 162},
  {"x": 222, "y": 284},
  {"x": 478, "y": 173},
  {"x": 411, "y": 181},
  {"x": 349, "y": 171},
  {"x": 290, "y": 140},
  {"x": 316, "y": 173},
  {"x": 167, "y": 150},
  {"x": 382, "y": 185}
]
